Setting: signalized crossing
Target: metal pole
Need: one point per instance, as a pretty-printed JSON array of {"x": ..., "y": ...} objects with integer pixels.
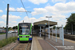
[
  {"x": 49, "y": 28},
  {"x": 56, "y": 34},
  {"x": 52, "y": 33},
  {"x": 23, "y": 21},
  {"x": 62, "y": 35},
  {"x": 72, "y": 29},
  {"x": 7, "y": 20},
  {"x": 44, "y": 33},
  {"x": 40, "y": 31}
]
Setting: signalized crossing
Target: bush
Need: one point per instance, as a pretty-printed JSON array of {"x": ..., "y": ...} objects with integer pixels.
[
  {"x": 69, "y": 37},
  {"x": 7, "y": 41}
]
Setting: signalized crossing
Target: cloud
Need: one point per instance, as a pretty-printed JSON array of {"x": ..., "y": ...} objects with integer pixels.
[
  {"x": 54, "y": 18},
  {"x": 58, "y": 0},
  {"x": 33, "y": 19},
  {"x": 38, "y": 1},
  {"x": 39, "y": 11},
  {"x": 11, "y": 17},
  {"x": 65, "y": 7},
  {"x": 13, "y": 23},
  {"x": 58, "y": 8},
  {"x": 2, "y": 23},
  {"x": 12, "y": 20},
  {"x": 20, "y": 9},
  {"x": 11, "y": 9},
  {"x": 17, "y": 9},
  {"x": 57, "y": 11},
  {"x": 1, "y": 10}
]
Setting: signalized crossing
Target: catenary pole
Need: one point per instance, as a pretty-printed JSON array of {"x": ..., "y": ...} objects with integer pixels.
[
  {"x": 48, "y": 25},
  {"x": 7, "y": 21}
]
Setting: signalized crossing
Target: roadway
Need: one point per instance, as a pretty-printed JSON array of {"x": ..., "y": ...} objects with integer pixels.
[{"x": 3, "y": 36}]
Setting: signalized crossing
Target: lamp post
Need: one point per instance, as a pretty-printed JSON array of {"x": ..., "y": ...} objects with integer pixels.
[
  {"x": 48, "y": 25},
  {"x": 71, "y": 26}
]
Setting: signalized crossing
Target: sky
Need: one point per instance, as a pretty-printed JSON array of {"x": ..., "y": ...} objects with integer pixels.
[{"x": 39, "y": 9}]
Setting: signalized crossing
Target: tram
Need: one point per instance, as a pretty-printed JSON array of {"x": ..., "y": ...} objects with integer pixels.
[{"x": 24, "y": 32}]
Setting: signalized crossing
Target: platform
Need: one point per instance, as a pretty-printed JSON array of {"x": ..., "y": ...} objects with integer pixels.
[{"x": 39, "y": 43}]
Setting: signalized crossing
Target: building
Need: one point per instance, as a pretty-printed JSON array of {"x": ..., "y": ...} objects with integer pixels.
[{"x": 2, "y": 30}]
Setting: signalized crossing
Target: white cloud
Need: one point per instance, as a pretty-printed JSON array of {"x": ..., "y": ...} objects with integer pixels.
[
  {"x": 2, "y": 23},
  {"x": 11, "y": 17},
  {"x": 20, "y": 9},
  {"x": 12, "y": 20},
  {"x": 32, "y": 20},
  {"x": 57, "y": 11},
  {"x": 11, "y": 9},
  {"x": 58, "y": 0},
  {"x": 39, "y": 11},
  {"x": 38, "y": 1},
  {"x": 1, "y": 10},
  {"x": 65, "y": 7},
  {"x": 58, "y": 8},
  {"x": 13, "y": 23},
  {"x": 54, "y": 18},
  {"x": 17, "y": 9}
]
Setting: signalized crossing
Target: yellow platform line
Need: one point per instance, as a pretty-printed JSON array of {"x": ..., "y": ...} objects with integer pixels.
[{"x": 66, "y": 40}]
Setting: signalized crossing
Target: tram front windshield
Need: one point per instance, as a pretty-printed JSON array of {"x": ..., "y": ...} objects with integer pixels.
[{"x": 24, "y": 30}]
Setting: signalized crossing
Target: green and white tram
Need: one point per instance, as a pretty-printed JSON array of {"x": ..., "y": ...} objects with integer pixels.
[{"x": 24, "y": 32}]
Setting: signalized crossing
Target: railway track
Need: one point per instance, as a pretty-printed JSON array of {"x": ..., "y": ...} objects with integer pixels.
[{"x": 21, "y": 46}]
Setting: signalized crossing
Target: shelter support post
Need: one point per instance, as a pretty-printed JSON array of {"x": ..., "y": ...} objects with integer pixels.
[
  {"x": 52, "y": 33},
  {"x": 56, "y": 33},
  {"x": 40, "y": 31},
  {"x": 62, "y": 35}
]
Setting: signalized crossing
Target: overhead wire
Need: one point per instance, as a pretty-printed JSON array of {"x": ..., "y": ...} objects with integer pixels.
[{"x": 24, "y": 7}]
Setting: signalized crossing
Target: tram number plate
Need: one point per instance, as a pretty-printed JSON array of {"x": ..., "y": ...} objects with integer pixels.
[{"x": 23, "y": 36}]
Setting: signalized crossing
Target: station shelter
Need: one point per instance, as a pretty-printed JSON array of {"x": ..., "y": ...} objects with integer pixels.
[{"x": 42, "y": 25}]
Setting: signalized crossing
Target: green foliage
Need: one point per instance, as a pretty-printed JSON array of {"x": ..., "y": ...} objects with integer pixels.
[
  {"x": 10, "y": 28},
  {"x": 15, "y": 27},
  {"x": 7, "y": 41},
  {"x": 70, "y": 22},
  {"x": 54, "y": 27}
]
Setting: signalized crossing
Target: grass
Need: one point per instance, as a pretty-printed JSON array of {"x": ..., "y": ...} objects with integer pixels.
[
  {"x": 2, "y": 33},
  {"x": 7, "y": 41}
]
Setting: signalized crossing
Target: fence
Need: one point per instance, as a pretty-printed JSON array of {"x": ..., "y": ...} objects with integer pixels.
[
  {"x": 69, "y": 32},
  {"x": 3, "y": 36}
]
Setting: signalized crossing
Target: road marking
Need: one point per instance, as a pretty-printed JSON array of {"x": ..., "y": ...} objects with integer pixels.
[{"x": 52, "y": 45}]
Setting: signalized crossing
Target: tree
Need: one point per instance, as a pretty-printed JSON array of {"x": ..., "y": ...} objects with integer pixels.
[
  {"x": 15, "y": 27},
  {"x": 54, "y": 27},
  {"x": 70, "y": 22}
]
